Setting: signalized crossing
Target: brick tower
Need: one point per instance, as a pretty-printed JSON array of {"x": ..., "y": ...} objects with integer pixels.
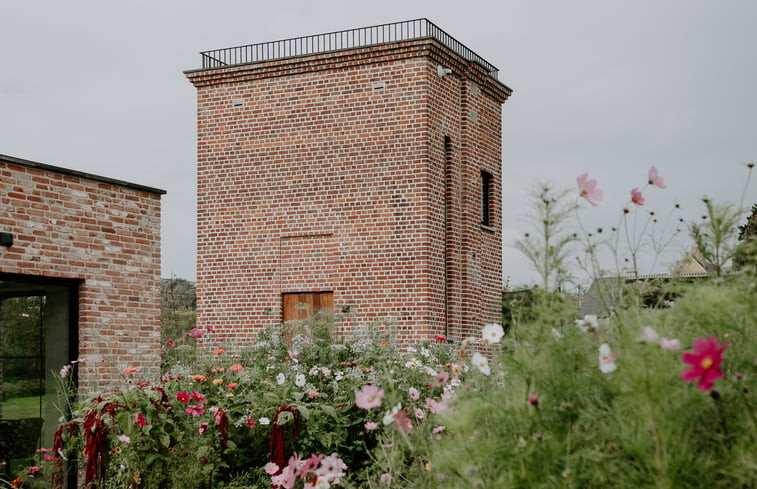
[{"x": 354, "y": 170}]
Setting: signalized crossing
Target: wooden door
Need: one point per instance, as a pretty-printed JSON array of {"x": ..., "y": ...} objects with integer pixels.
[{"x": 302, "y": 305}]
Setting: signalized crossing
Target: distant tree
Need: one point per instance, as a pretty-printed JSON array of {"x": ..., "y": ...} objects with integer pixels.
[
  {"x": 547, "y": 246},
  {"x": 178, "y": 294},
  {"x": 746, "y": 252},
  {"x": 715, "y": 235}
]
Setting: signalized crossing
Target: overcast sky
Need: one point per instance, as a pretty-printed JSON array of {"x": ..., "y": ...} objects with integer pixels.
[{"x": 605, "y": 87}]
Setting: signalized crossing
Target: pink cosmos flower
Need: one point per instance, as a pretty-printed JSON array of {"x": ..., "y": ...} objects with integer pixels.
[
  {"x": 414, "y": 393},
  {"x": 49, "y": 458},
  {"x": 203, "y": 428},
  {"x": 636, "y": 196},
  {"x": 670, "y": 344},
  {"x": 170, "y": 342},
  {"x": 332, "y": 468},
  {"x": 271, "y": 468},
  {"x": 369, "y": 397},
  {"x": 385, "y": 478},
  {"x": 232, "y": 385},
  {"x": 250, "y": 422},
  {"x": 438, "y": 429},
  {"x": 419, "y": 413},
  {"x": 286, "y": 479},
  {"x": 198, "y": 377},
  {"x": 236, "y": 367},
  {"x": 196, "y": 333},
  {"x": 533, "y": 399},
  {"x": 124, "y": 439},
  {"x": 311, "y": 464},
  {"x": 437, "y": 407},
  {"x": 588, "y": 189},
  {"x": 440, "y": 379},
  {"x": 139, "y": 418},
  {"x": 705, "y": 362},
  {"x": 182, "y": 397},
  {"x": 655, "y": 179},
  {"x": 402, "y": 422},
  {"x": 196, "y": 410},
  {"x": 64, "y": 371},
  {"x": 196, "y": 396},
  {"x": 370, "y": 426},
  {"x": 33, "y": 470}
]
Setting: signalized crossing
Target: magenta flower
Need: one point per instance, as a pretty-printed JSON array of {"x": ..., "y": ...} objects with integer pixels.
[
  {"x": 203, "y": 428},
  {"x": 196, "y": 410},
  {"x": 182, "y": 397},
  {"x": 370, "y": 426},
  {"x": 655, "y": 179},
  {"x": 636, "y": 196},
  {"x": 533, "y": 399},
  {"x": 139, "y": 418},
  {"x": 588, "y": 189},
  {"x": 705, "y": 362},
  {"x": 196, "y": 396},
  {"x": 369, "y": 397}
]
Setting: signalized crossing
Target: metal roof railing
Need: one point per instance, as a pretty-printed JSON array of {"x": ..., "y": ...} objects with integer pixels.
[{"x": 408, "y": 30}]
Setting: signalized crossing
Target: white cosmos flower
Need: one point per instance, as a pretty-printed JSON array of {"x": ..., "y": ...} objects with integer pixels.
[
  {"x": 481, "y": 363},
  {"x": 607, "y": 359},
  {"x": 671, "y": 345},
  {"x": 588, "y": 322},
  {"x": 389, "y": 416},
  {"x": 493, "y": 333},
  {"x": 264, "y": 421},
  {"x": 299, "y": 380},
  {"x": 280, "y": 379}
]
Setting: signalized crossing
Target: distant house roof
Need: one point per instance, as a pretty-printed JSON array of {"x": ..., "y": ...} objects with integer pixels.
[
  {"x": 76, "y": 173},
  {"x": 606, "y": 292}
]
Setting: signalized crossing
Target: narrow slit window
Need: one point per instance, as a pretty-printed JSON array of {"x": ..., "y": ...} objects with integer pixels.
[{"x": 486, "y": 191}]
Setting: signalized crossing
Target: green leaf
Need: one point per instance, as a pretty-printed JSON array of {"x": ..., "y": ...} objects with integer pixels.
[
  {"x": 165, "y": 440},
  {"x": 150, "y": 458},
  {"x": 330, "y": 410}
]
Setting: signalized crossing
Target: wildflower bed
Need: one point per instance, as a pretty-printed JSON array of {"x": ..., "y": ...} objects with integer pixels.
[{"x": 588, "y": 403}]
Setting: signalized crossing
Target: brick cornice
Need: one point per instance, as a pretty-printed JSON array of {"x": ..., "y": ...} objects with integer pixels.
[{"x": 335, "y": 60}]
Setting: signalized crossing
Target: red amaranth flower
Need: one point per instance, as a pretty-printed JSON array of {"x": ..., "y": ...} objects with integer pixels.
[{"x": 705, "y": 362}]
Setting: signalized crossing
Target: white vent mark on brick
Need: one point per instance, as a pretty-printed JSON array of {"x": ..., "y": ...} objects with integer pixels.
[
  {"x": 237, "y": 102},
  {"x": 379, "y": 85}
]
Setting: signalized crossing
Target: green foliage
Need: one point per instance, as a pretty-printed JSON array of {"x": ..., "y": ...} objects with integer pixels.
[{"x": 639, "y": 426}]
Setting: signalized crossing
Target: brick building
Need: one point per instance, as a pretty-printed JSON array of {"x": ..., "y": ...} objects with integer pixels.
[
  {"x": 358, "y": 169},
  {"x": 79, "y": 278}
]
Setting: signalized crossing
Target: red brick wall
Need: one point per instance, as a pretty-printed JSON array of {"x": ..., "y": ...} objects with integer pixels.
[
  {"x": 327, "y": 172},
  {"x": 107, "y": 236}
]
